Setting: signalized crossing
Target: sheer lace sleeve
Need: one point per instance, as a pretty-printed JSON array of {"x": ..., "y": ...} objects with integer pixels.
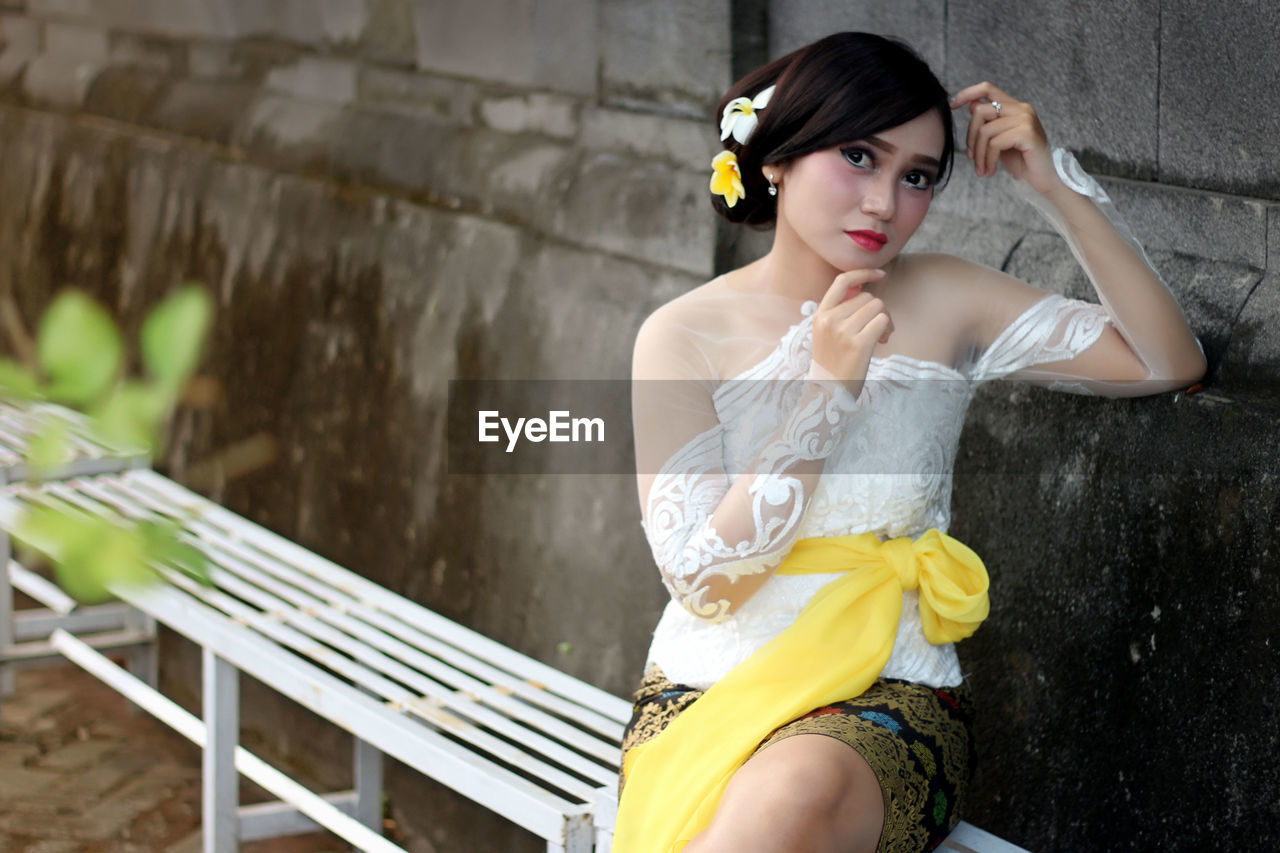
[
  {"x": 1147, "y": 340},
  {"x": 1053, "y": 329},
  {"x": 717, "y": 533},
  {"x": 1149, "y": 319}
]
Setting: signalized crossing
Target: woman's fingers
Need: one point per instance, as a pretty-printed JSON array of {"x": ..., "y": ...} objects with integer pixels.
[
  {"x": 986, "y": 122},
  {"x": 847, "y": 324},
  {"x": 1014, "y": 138},
  {"x": 869, "y": 321},
  {"x": 839, "y": 289},
  {"x": 888, "y": 328},
  {"x": 973, "y": 139},
  {"x": 985, "y": 155},
  {"x": 979, "y": 91}
]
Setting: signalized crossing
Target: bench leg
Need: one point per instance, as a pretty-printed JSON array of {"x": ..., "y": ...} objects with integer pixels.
[
  {"x": 142, "y": 659},
  {"x": 579, "y": 836},
  {"x": 368, "y": 785},
  {"x": 7, "y": 637},
  {"x": 220, "y": 794}
]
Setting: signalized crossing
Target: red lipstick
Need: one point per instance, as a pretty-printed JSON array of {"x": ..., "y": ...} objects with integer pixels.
[{"x": 872, "y": 241}]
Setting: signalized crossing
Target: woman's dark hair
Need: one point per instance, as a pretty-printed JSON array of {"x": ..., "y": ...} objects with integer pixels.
[{"x": 844, "y": 87}]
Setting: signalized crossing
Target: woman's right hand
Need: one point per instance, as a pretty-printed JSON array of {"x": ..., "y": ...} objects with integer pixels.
[{"x": 846, "y": 326}]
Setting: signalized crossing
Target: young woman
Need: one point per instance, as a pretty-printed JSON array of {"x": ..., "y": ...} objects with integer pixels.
[{"x": 796, "y": 426}]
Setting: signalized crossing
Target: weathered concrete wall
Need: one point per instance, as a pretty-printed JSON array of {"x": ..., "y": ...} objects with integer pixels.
[{"x": 387, "y": 194}]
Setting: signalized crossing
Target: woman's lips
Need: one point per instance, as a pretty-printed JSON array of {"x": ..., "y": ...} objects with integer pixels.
[{"x": 872, "y": 241}]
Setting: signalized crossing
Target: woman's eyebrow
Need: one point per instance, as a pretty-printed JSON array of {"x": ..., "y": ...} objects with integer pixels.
[{"x": 893, "y": 149}]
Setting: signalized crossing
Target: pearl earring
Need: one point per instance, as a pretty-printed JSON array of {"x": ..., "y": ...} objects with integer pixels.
[{"x": 773, "y": 190}]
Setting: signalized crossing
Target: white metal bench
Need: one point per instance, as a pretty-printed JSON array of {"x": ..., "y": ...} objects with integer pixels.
[
  {"x": 533, "y": 744},
  {"x": 25, "y": 633},
  {"x": 529, "y": 742}
]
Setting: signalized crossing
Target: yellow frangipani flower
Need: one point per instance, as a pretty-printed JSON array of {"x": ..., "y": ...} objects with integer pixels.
[{"x": 727, "y": 179}]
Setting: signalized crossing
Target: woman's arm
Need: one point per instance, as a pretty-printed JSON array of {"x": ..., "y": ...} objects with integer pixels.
[
  {"x": 717, "y": 534},
  {"x": 1147, "y": 347}
]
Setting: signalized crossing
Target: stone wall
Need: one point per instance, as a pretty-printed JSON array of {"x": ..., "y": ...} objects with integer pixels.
[{"x": 388, "y": 194}]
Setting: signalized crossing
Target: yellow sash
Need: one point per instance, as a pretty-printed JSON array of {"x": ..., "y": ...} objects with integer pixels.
[{"x": 834, "y": 650}]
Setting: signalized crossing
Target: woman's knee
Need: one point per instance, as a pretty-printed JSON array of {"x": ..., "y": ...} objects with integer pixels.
[{"x": 807, "y": 792}]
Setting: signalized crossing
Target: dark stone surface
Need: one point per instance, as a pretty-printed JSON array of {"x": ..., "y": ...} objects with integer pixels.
[
  {"x": 670, "y": 55},
  {"x": 204, "y": 109},
  {"x": 921, "y": 23},
  {"x": 1091, "y": 73},
  {"x": 1211, "y": 294},
  {"x": 1232, "y": 229},
  {"x": 1126, "y": 678},
  {"x": 521, "y": 42},
  {"x": 1219, "y": 126},
  {"x": 1252, "y": 360}
]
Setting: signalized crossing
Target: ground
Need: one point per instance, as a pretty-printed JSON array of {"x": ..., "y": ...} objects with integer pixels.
[{"x": 83, "y": 772}]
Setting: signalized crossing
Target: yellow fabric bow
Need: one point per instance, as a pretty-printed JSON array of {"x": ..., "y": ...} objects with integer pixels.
[{"x": 834, "y": 651}]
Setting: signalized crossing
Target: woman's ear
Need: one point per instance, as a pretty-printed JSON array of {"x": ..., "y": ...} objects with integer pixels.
[{"x": 773, "y": 174}]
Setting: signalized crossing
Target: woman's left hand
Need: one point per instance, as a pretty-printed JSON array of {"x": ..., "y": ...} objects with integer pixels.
[{"x": 1011, "y": 135}]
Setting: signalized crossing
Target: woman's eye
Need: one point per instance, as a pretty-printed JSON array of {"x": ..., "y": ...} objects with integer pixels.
[
  {"x": 918, "y": 180},
  {"x": 858, "y": 157}
]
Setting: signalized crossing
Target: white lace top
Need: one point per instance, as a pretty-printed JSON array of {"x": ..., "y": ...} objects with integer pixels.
[{"x": 889, "y": 459}]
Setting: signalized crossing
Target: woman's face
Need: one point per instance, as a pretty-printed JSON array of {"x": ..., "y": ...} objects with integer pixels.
[{"x": 857, "y": 205}]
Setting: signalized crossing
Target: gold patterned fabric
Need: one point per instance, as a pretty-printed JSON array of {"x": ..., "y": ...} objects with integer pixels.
[{"x": 917, "y": 739}]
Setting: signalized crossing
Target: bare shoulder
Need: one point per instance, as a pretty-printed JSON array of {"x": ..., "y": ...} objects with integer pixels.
[
  {"x": 686, "y": 311},
  {"x": 938, "y": 270},
  {"x": 981, "y": 299},
  {"x": 672, "y": 333}
]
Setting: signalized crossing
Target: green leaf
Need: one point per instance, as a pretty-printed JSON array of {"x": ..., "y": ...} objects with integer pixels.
[
  {"x": 80, "y": 349},
  {"x": 46, "y": 529},
  {"x": 173, "y": 336},
  {"x": 50, "y": 448},
  {"x": 164, "y": 545},
  {"x": 17, "y": 381},
  {"x": 102, "y": 553},
  {"x": 132, "y": 415}
]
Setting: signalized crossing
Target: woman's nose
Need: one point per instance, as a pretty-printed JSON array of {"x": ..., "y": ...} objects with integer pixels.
[{"x": 878, "y": 201}]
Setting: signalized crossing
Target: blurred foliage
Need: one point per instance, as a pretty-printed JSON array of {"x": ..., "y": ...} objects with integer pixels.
[{"x": 78, "y": 361}]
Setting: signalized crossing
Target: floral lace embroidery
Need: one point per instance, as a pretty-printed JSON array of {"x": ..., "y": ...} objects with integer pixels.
[{"x": 691, "y": 485}]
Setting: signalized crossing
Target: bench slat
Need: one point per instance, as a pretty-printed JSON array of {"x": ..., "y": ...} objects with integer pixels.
[
  {"x": 456, "y": 645},
  {"x": 44, "y": 591},
  {"x": 90, "y": 454},
  {"x": 389, "y": 634},
  {"x": 552, "y": 679},
  {"x": 394, "y": 694},
  {"x": 408, "y": 741},
  {"x": 316, "y": 614},
  {"x": 269, "y": 623},
  {"x": 37, "y": 624}
]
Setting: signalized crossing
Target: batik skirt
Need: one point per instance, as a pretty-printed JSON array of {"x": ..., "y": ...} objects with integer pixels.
[{"x": 917, "y": 739}]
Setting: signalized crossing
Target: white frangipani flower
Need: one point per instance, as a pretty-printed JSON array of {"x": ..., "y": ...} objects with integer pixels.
[{"x": 739, "y": 116}]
